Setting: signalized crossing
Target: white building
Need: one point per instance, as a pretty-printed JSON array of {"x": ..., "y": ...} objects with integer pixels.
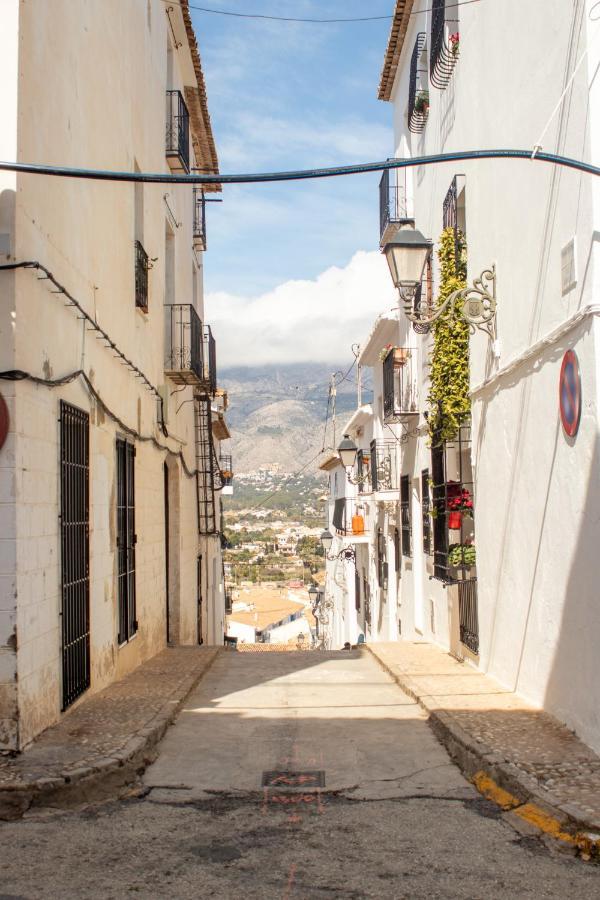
[
  {"x": 466, "y": 77},
  {"x": 109, "y": 507}
]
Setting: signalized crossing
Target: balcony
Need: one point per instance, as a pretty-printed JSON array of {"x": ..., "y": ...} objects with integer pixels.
[
  {"x": 363, "y": 471},
  {"x": 384, "y": 466},
  {"x": 400, "y": 393},
  {"x": 184, "y": 356},
  {"x": 393, "y": 210},
  {"x": 348, "y": 518},
  {"x": 445, "y": 44},
  {"x": 178, "y": 133},
  {"x": 199, "y": 224},
  {"x": 210, "y": 360},
  {"x": 226, "y": 467},
  {"x": 418, "y": 92},
  {"x": 142, "y": 265}
]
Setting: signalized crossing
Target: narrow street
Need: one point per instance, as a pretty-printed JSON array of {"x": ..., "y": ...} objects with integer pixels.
[{"x": 360, "y": 801}]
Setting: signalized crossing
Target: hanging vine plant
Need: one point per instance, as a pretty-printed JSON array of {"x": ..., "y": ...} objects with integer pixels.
[{"x": 449, "y": 400}]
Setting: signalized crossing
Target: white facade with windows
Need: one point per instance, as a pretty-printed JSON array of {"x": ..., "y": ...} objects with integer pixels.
[
  {"x": 111, "y": 458},
  {"x": 512, "y": 75}
]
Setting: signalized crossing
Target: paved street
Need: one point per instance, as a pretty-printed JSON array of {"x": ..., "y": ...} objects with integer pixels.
[{"x": 362, "y": 801}]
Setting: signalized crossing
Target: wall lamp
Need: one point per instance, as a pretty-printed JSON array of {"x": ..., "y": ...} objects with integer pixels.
[
  {"x": 407, "y": 254},
  {"x": 347, "y": 553},
  {"x": 347, "y": 452}
]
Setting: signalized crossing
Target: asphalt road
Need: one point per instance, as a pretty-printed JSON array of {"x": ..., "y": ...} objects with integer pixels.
[{"x": 360, "y": 801}]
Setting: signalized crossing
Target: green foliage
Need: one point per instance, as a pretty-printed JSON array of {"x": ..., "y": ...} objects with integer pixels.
[
  {"x": 461, "y": 555},
  {"x": 449, "y": 400}
]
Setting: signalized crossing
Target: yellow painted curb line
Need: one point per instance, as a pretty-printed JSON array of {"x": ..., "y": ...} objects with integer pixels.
[{"x": 587, "y": 844}]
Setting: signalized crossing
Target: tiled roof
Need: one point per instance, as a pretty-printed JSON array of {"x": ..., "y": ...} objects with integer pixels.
[
  {"x": 195, "y": 97},
  {"x": 394, "y": 48}
]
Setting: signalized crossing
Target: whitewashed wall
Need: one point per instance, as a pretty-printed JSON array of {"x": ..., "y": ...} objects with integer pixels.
[{"x": 537, "y": 492}]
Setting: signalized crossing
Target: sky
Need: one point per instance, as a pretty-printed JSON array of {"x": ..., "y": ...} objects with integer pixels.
[{"x": 293, "y": 271}]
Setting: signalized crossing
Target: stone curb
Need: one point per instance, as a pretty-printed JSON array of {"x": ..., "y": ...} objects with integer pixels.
[
  {"x": 476, "y": 759},
  {"x": 102, "y": 776}
]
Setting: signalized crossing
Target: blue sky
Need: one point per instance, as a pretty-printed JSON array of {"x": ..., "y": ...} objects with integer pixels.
[{"x": 281, "y": 96}]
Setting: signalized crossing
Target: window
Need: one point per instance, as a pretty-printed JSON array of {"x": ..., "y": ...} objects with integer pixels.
[
  {"x": 142, "y": 265},
  {"x": 382, "y": 566},
  {"x": 356, "y": 590},
  {"x": 425, "y": 506},
  {"x": 397, "y": 554},
  {"x": 405, "y": 514},
  {"x": 440, "y": 531},
  {"x": 126, "y": 540},
  {"x": 418, "y": 92}
]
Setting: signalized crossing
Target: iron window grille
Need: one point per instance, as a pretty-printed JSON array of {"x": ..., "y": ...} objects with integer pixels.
[
  {"x": 126, "y": 540},
  {"x": 397, "y": 553},
  {"x": 405, "y": 523},
  {"x": 425, "y": 512},
  {"x": 199, "y": 596},
  {"x": 356, "y": 590},
  {"x": 228, "y": 601},
  {"x": 443, "y": 52},
  {"x": 178, "y": 132},
  {"x": 185, "y": 347},
  {"x": 382, "y": 566},
  {"x": 418, "y": 92},
  {"x": 205, "y": 467},
  {"x": 384, "y": 468},
  {"x": 450, "y": 218},
  {"x": 366, "y": 601},
  {"x": 199, "y": 225},
  {"x": 400, "y": 391},
  {"x": 75, "y": 551},
  {"x": 142, "y": 264},
  {"x": 393, "y": 210},
  {"x": 210, "y": 360}
]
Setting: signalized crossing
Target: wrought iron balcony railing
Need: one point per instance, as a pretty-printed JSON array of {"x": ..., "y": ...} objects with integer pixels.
[
  {"x": 418, "y": 91},
  {"x": 199, "y": 226},
  {"x": 400, "y": 392},
  {"x": 184, "y": 347},
  {"x": 210, "y": 360},
  {"x": 178, "y": 132},
  {"x": 384, "y": 466},
  {"x": 348, "y": 517},
  {"x": 226, "y": 466},
  {"x": 445, "y": 44},
  {"x": 363, "y": 471},
  {"x": 393, "y": 209},
  {"x": 142, "y": 265}
]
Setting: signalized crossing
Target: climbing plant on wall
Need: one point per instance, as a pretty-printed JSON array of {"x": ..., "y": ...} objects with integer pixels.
[{"x": 449, "y": 400}]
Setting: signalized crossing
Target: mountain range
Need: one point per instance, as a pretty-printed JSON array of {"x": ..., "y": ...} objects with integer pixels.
[{"x": 281, "y": 415}]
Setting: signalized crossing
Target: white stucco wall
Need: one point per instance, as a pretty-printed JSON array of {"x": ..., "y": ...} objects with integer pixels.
[
  {"x": 94, "y": 95},
  {"x": 537, "y": 492}
]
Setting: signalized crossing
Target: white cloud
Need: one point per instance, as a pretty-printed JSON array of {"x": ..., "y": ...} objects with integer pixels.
[{"x": 303, "y": 321}]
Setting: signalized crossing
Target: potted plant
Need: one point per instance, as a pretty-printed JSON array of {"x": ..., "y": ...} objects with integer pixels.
[
  {"x": 454, "y": 40},
  {"x": 422, "y": 102},
  {"x": 458, "y": 503},
  {"x": 461, "y": 555},
  {"x": 401, "y": 355}
]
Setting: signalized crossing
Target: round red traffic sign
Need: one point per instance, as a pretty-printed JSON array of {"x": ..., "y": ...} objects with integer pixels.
[
  {"x": 569, "y": 393},
  {"x": 4, "y": 420}
]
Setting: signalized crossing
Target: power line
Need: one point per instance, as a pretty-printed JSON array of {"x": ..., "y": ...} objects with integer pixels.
[
  {"x": 534, "y": 155},
  {"x": 237, "y": 15}
]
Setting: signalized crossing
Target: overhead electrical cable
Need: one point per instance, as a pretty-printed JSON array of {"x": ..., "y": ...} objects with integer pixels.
[
  {"x": 238, "y": 15},
  {"x": 536, "y": 155}
]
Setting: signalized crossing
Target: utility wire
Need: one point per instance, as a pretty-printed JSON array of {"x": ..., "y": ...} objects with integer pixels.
[
  {"x": 298, "y": 174},
  {"x": 237, "y": 15}
]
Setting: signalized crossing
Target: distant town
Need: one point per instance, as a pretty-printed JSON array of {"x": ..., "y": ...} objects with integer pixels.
[{"x": 272, "y": 555}]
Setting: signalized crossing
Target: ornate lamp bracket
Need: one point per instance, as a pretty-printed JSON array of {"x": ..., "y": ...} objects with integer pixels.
[
  {"x": 347, "y": 553},
  {"x": 478, "y": 307}
]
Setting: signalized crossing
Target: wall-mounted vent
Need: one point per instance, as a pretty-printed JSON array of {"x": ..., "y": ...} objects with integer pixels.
[{"x": 568, "y": 268}]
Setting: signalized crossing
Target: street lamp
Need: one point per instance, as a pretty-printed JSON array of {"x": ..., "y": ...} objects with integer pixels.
[
  {"x": 347, "y": 452},
  {"x": 326, "y": 540},
  {"x": 347, "y": 553},
  {"x": 313, "y": 593},
  {"x": 407, "y": 254}
]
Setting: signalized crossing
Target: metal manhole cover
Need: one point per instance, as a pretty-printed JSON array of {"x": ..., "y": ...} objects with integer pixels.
[{"x": 286, "y": 780}]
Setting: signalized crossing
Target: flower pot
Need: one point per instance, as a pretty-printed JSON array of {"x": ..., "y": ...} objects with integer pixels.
[
  {"x": 358, "y": 524},
  {"x": 401, "y": 355},
  {"x": 454, "y": 519}
]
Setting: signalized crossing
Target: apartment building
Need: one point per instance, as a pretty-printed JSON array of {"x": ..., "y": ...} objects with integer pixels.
[
  {"x": 110, "y": 472},
  {"x": 490, "y": 428}
]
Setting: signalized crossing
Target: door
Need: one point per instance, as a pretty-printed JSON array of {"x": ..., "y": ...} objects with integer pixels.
[{"x": 75, "y": 553}]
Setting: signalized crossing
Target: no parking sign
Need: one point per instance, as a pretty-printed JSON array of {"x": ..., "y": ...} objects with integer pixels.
[{"x": 569, "y": 393}]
